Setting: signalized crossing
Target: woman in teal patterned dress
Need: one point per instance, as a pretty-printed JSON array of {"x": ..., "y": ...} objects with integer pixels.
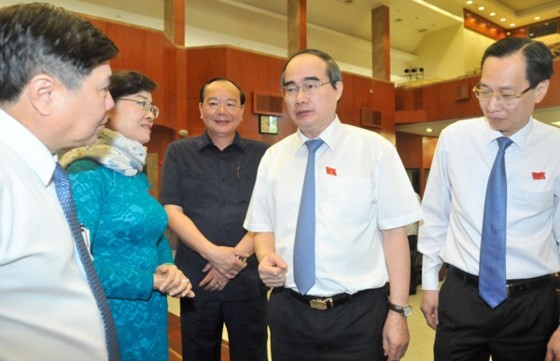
[{"x": 125, "y": 223}]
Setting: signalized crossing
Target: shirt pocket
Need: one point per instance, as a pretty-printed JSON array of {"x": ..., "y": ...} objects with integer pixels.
[
  {"x": 198, "y": 188},
  {"x": 351, "y": 199},
  {"x": 531, "y": 203}
]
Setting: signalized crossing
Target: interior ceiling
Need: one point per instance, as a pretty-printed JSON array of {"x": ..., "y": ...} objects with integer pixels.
[{"x": 410, "y": 20}]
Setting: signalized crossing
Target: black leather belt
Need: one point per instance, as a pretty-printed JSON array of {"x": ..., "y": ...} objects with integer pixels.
[
  {"x": 323, "y": 303},
  {"x": 513, "y": 287}
]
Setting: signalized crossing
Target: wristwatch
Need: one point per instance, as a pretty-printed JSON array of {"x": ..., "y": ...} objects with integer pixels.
[{"x": 405, "y": 311}]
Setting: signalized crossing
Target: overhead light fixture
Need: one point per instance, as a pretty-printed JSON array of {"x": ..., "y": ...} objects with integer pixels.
[
  {"x": 429, "y": 130},
  {"x": 481, "y": 8},
  {"x": 492, "y": 13},
  {"x": 537, "y": 18},
  {"x": 503, "y": 19},
  {"x": 512, "y": 25},
  {"x": 469, "y": 2}
]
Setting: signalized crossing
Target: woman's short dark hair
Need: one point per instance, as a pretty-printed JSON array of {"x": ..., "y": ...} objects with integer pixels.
[
  {"x": 128, "y": 82},
  {"x": 203, "y": 89},
  {"x": 537, "y": 55}
]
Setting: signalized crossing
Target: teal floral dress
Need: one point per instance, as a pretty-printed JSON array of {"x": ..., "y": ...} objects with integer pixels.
[{"x": 126, "y": 226}]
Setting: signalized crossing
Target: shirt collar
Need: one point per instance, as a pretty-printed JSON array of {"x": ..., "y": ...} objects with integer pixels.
[
  {"x": 28, "y": 147},
  {"x": 520, "y": 138},
  {"x": 206, "y": 141},
  {"x": 329, "y": 135}
]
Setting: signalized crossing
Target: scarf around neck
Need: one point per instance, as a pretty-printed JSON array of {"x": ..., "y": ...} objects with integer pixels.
[{"x": 114, "y": 151}]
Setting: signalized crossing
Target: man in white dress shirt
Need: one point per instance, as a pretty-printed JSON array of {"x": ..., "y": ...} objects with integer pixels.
[
  {"x": 364, "y": 200},
  {"x": 515, "y": 77},
  {"x": 54, "y": 75}
]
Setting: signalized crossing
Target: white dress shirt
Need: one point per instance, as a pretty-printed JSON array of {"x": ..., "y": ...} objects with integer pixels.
[
  {"x": 47, "y": 310},
  {"x": 361, "y": 188},
  {"x": 453, "y": 202}
]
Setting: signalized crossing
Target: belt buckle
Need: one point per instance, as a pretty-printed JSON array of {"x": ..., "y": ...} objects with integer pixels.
[{"x": 321, "y": 304}]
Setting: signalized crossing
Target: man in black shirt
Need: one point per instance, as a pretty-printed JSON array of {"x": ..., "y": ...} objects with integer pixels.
[{"x": 206, "y": 186}]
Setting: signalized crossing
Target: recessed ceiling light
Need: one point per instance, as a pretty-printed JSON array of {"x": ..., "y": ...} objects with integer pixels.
[
  {"x": 480, "y": 8},
  {"x": 492, "y": 14},
  {"x": 429, "y": 130},
  {"x": 512, "y": 25},
  {"x": 503, "y": 19},
  {"x": 537, "y": 17},
  {"x": 469, "y": 2}
]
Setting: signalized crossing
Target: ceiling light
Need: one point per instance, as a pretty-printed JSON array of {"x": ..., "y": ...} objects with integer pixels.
[
  {"x": 503, "y": 19},
  {"x": 469, "y": 2},
  {"x": 429, "y": 130},
  {"x": 492, "y": 13},
  {"x": 512, "y": 25},
  {"x": 480, "y": 8},
  {"x": 537, "y": 17}
]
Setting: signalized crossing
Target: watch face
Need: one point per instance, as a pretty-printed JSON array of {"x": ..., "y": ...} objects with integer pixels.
[{"x": 407, "y": 311}]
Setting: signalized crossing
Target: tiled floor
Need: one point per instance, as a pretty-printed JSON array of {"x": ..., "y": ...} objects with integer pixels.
[{"x": 420, "y": 348}]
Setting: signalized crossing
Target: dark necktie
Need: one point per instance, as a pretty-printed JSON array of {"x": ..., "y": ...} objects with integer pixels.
[
  {"x": 64, "y": 194},
  {"x": 492, "y": 280},
  {"x": 304, "y": 248}
]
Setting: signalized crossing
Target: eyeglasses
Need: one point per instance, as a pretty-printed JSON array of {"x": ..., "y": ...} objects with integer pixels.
[
  {"x": 307, "y": 87},
  {"x": 146, "y": 105},
  {"x": 214, "y": 105},
  {"x": 504, "y": 98}
]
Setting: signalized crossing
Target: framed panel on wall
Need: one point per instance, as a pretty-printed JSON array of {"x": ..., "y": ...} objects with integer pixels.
[{"x": 268, "y": 124}]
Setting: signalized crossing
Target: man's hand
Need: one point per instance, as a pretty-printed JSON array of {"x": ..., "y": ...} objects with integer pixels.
[
  {"x": 227, "y": 261},
  {"x": 553, "y": 347},
  {"x": 429, "y": 307},
  {"x": 214, "y": 280},
  {"x": 272, "y": 270},
  {"x": 395, "y": 336}
]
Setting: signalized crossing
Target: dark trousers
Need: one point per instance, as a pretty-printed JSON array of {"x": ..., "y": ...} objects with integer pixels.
[
  {"x": 349, "y": 332},
  {"x": 202, "y": 326},
  {"x": 518, "y": 329}
]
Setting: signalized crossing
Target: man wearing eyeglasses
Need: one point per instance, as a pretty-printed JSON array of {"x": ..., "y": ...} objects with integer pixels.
[
  {"x": 491, "y": 213},
  {"x": 206, "y": 186},
  {"x": 329, "y": 300}
]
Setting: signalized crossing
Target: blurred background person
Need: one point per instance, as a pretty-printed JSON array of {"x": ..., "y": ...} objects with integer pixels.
[{"x": 125, "y": 224}]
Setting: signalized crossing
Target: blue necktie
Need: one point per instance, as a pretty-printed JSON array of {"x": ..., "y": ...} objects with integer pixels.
[
  {"x": 66, "y": 200},
  {"x": 304, "y": 248},
  {"x": 492, "y": 276}
]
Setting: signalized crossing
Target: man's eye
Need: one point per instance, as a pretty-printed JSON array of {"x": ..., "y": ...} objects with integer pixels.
[
  {"x": 507, "y": 96},
  {"x": 291, "y": 89},
  {"x": 310, "y": 86}
]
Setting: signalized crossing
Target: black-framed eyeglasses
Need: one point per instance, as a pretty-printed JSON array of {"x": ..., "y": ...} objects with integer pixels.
[
  {"x": 146, "y": 105},
  {"x": 502, "y": 97},
  {"x": 307, "y": 87}
]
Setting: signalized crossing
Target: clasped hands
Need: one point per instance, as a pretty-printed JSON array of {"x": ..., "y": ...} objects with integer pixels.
[
  {"x": 168, "y": 279},
  {"x": 224, "y": 264}
]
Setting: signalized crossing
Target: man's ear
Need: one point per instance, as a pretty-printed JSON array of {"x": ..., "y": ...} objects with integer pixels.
[
  {"x": 41, "y": 92},
  {"x": 541, "y": 90}
]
